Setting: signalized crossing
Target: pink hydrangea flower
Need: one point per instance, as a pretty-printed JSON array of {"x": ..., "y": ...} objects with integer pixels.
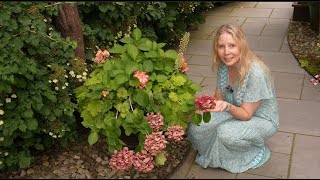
[
  {"x": 122, "y": 160},
  {"x": 205, "y": 102},
  {"x": 185, "y": 67},
  {"x": 315, "y": 81},
  {"x": 155, "y": 120},
  {"x": 105, "y": 93},
  {"x": 174, "y": 133},
  {"x": 155, "y": 143},
  {"x": 143, "y": 78},
  {"x": 143, "y": 162},
  {"x": 101, "y": 55}
]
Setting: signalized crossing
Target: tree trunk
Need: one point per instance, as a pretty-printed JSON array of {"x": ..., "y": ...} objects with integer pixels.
[{"x": 69, "y": 24}]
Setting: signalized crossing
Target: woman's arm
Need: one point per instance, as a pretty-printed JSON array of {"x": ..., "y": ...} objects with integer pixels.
[{"x": 244, "y": 112}]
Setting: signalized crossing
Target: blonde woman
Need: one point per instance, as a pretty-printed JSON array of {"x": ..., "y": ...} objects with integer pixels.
[{"x": 246, "y": 112}]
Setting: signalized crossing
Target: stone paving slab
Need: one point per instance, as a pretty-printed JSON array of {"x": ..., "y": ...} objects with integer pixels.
[
  {"x": 299, "y": 116},
  {"x": 281, "y": 142},
  {"x": 281, "y": 62},
  {"x": 288, "y": 85},
  {"x": 200, "y": 60},
  {"x": 199, "y": 47},
  {"x": 251, "y": 176},
  {"x": 253, "y": 28},
  {"x": 274, "y": 4},
  {"x": 265, "y": 43},
  {"x": 309, "y": 92},
  {"x": 306, "y": 159},
  {"x": 282, "y": 13},
  {"x": 202, "y": 71},
  {"x": 275, "y": 167},
  {"x": 218, "y": 20},
  {"x": 246, "y": 4},
  {"x": 283, "y": 21},
  {"x": 250, "y": 12},
  {"x": 275, "y": 30},
  {"x": 197, "y": 172}
]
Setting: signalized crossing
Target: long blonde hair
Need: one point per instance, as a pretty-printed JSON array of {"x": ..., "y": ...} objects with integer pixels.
[{"x": 247, "y": 56}]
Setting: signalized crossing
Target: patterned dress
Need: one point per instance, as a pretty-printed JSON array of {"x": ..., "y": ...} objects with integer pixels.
[{"x": 236, "y": 145}]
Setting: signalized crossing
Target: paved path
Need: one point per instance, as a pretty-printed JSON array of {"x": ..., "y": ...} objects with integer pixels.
[{"x": 295, "y": 149}]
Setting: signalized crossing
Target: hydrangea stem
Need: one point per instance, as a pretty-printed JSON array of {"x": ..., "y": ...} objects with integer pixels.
[{"x": 130, "y": 103}]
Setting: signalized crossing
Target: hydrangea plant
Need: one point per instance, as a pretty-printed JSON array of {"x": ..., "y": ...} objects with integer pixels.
[{"x": 141, "y": 88}]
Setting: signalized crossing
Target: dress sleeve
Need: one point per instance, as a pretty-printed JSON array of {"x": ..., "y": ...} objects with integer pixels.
[
  {"x": 218, "y": 84},
  {"x": 259, "y": 86}
]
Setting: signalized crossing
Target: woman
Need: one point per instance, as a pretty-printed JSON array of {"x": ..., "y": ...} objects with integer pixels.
[{"x": 246, "y": 111}]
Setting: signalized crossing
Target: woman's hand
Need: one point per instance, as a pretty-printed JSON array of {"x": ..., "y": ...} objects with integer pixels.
[{"x": 220, "y": 106}]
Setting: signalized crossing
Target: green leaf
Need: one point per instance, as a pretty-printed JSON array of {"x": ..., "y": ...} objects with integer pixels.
[
  {"x": 94, "y": 107},
  {"x": 148, "y": 66},
  {"x": 144, "y": 47},
  {"x": 137, "y": 34},
  {"x": 131, "y": 67},
  {"x": 195, "y": 86},
  {"x": 141, "y": 97},
  {"x": 32, "y": 124},
  {"x": 117, "y": 49},
  {"x": 133, "y": 51},
  {"x": 103, "y": 7},
  {"x": 196, "y": 119},
  {"x": 121, "y": 78},
  {"x": 206, "y": 117},
  {"x": 154, "y": 45},
  {"x": 93, "y": 137},
  {"x": 303, "y": 63},
  {"x": 107, "y": 66},
  {"x": 171, "y": 54},
  {"x": 160, "y": 159},
  {"x": 161, "y": 45},
  {"x": 127, "y": 40},
  {"x": 161, "y": 78},
  {"x": 24, "y": 160},
  {"x": 151, "y": 54}
]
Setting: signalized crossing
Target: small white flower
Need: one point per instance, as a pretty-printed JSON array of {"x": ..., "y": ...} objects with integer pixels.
[
  {"x": 84, "y": 73},
  {"x": 78, "y": 76},
  {"x": 1, "y": 112},
  {"x": 0, "y": 162},
  {"x": 84, "y": 78},
  {"x": 54, "y": 136},
  {"x": 86, "y": 70},
  {"x": 80, "y": 80},
  {"x": 56, "y": 88},
  {"x": 6, "y": 153},
  {"x": 66, "y": 76},
  {"x": 8, "y": 100},
  {"x": 63, "y": 130},
  {"x": 14, "y": 96},
  {"x": 59, "y": 136},
  {"x": 1, "y": 104},
  {"x": 1, "y": 138},
  {"x": 49, "y": 65},
  {"x": 45, "y": 20},
  {"x": 68, "y": 64},
  {"x": 50, "y": 29},
  {"x": 63, "y": 87},
  {"x": 55, "y": 80},
  {"x": 1, "y": 122},
  {"x": 50, "y": 133},
  {"x": 50, "y": 81},
  {"x": 71, "y": 72},
  {"x": 67, "y": 84}
]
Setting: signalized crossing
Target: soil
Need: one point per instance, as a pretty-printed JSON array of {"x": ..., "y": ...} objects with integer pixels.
[{"x": 303, "y": 42}]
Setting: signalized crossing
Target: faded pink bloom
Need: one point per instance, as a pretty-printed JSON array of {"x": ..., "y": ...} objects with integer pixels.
[
  {"x": 122, "y": 160},
  {"x": 106, "y": 53},
  {"x": 143, "y": 78},
  {"x": 205, "y": 102},
  {"x": 105, "y": 93},
  {"x": 143, "y": 162},
  {"x": 315, "y": 81},
  {"x": 100, "y": 56},
  {"x": 155, "y": 143},
  {"x": 175, "y": 133},
  {"x": 155, "y": 121},
  {"x": 185, "y": 67}
]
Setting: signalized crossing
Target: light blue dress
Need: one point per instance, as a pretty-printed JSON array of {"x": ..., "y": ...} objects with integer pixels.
[{"x": 236, "y": 145}]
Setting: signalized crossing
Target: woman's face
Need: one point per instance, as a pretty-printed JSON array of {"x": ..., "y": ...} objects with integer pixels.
[{"x": 228, "y": 50}]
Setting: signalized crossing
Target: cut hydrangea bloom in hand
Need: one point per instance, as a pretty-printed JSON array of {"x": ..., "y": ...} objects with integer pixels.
[{"x": 205, "y": 102}]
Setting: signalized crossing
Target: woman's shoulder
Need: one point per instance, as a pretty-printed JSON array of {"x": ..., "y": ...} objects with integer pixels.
[{"x": 258, "y": 68}]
